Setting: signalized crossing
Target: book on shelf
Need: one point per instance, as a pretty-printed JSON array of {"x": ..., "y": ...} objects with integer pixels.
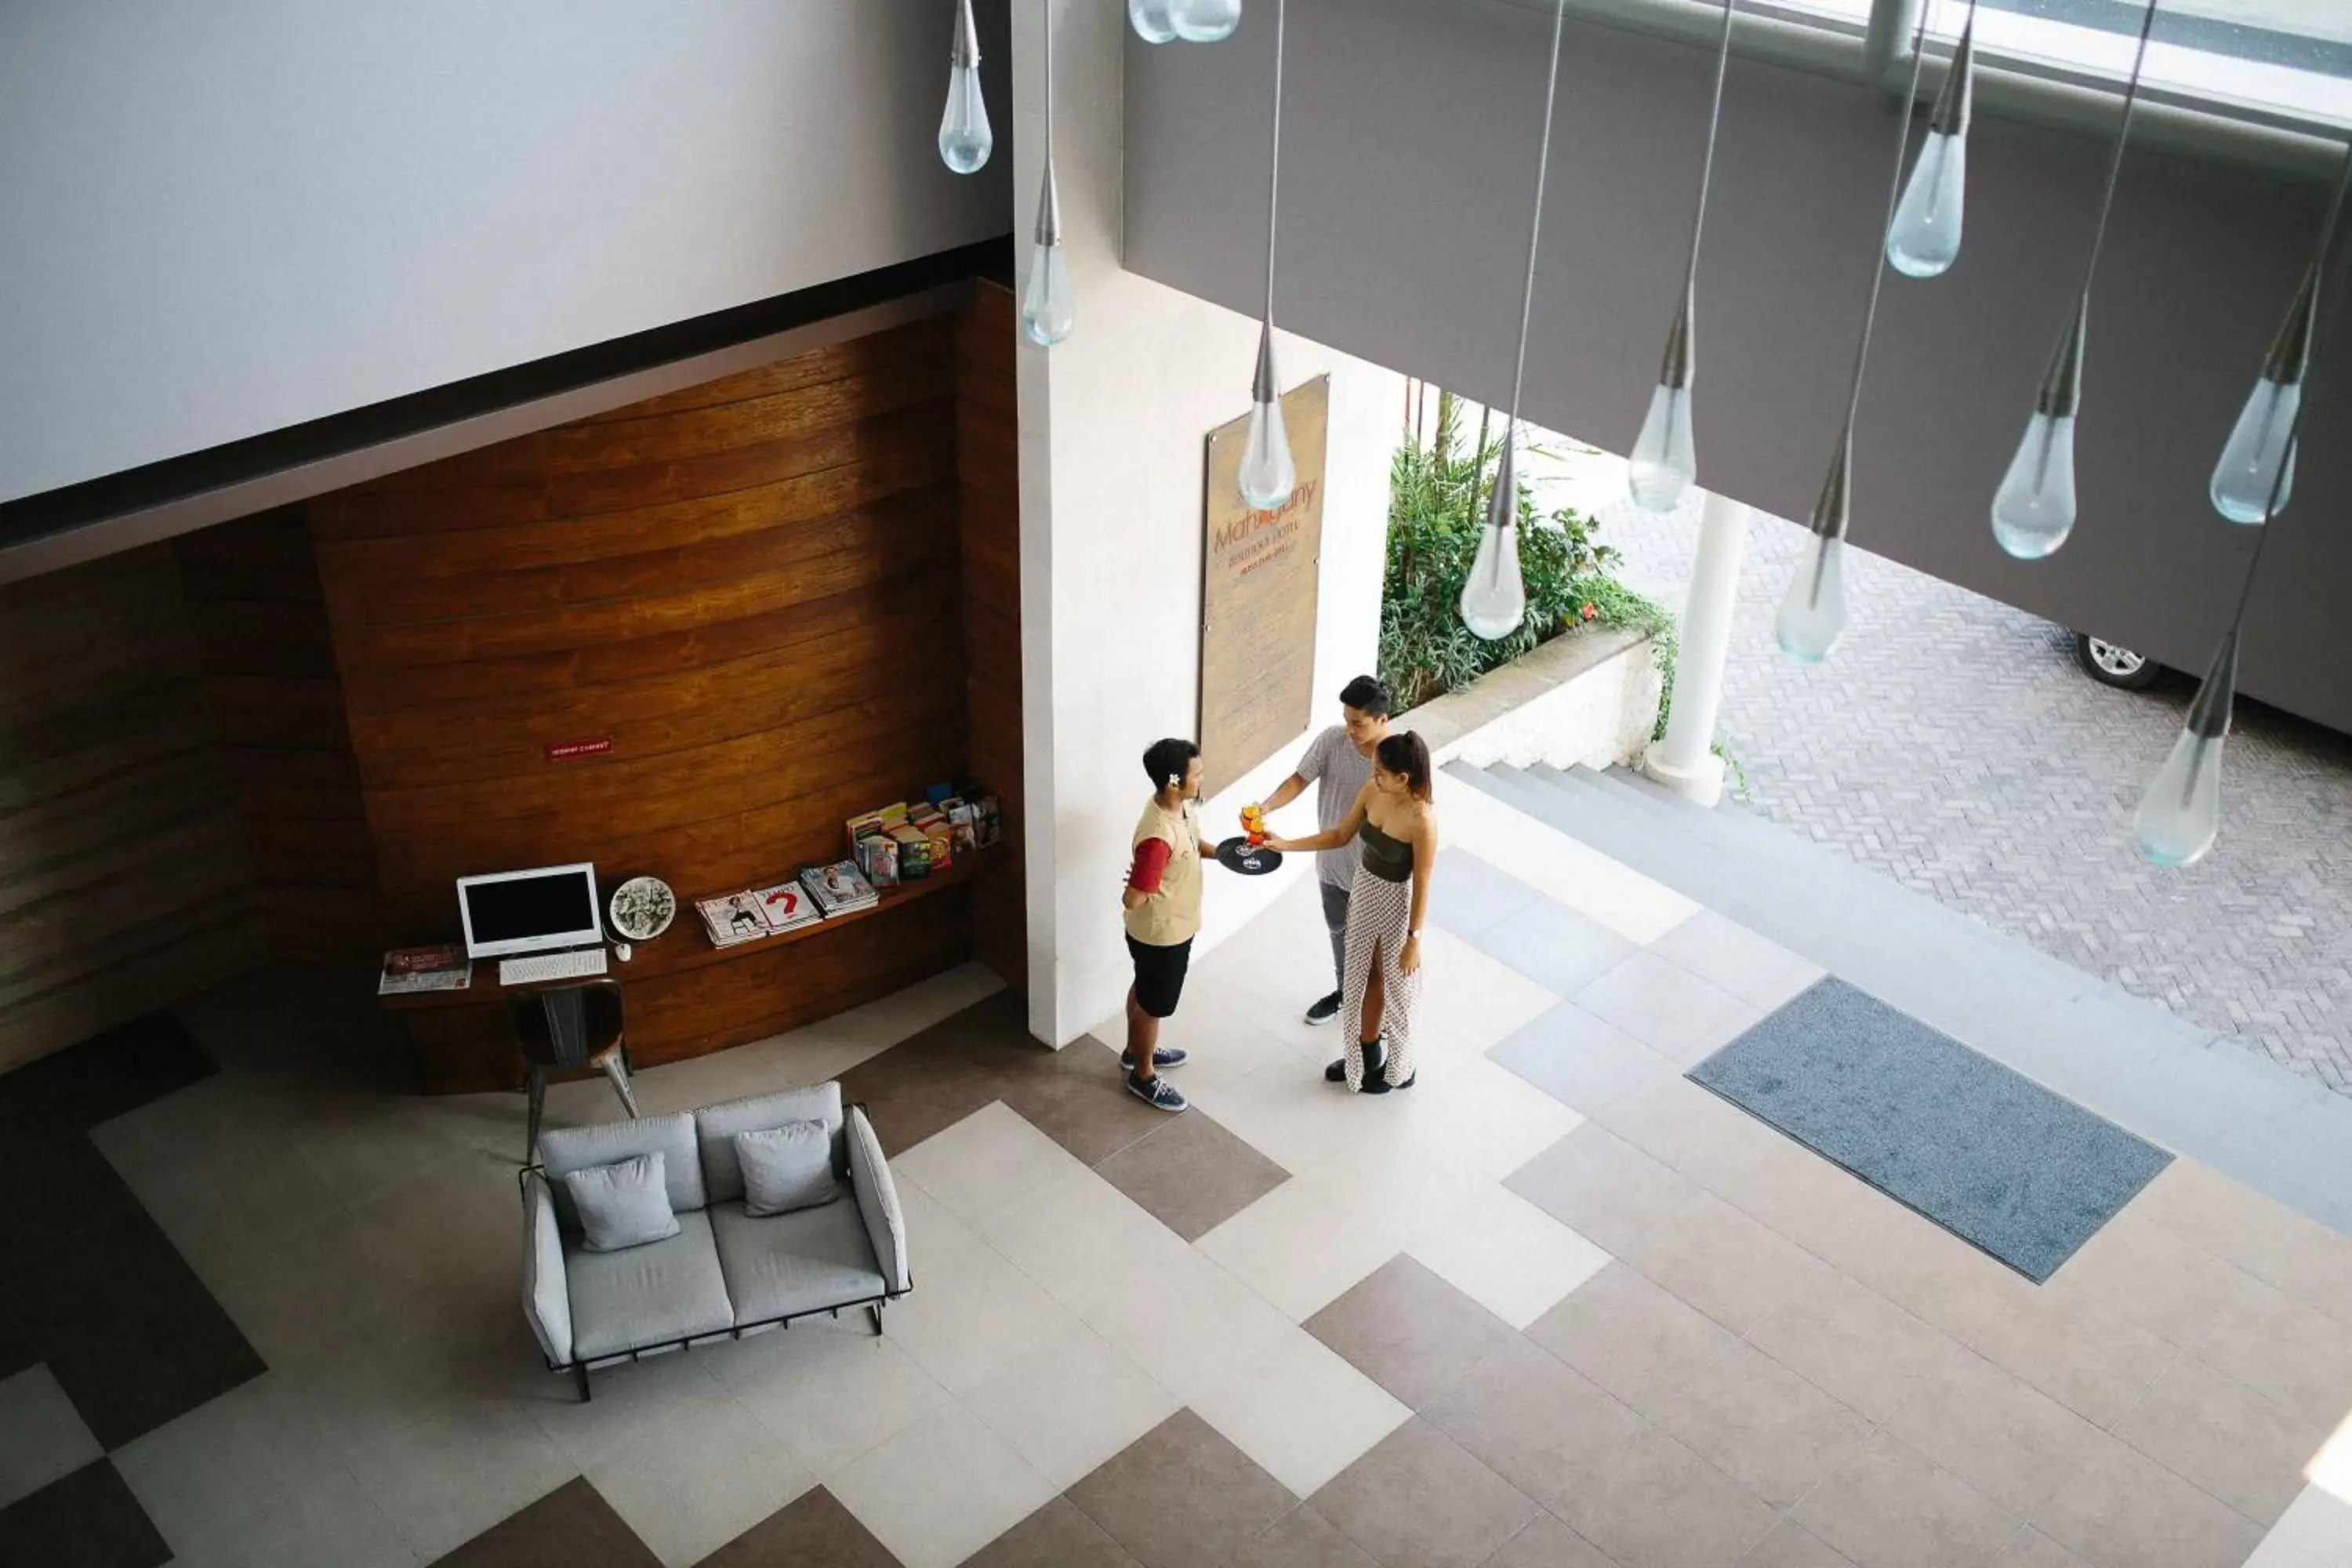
[
  {"x": 914, "y": 847},
  {"x": 877, "y": 856},
  {"x": 787, "y": 906},
  {"x": 839, "y": 889},
  {"x": 733, "y": 919},
  {"x": 408, "y": 971}
]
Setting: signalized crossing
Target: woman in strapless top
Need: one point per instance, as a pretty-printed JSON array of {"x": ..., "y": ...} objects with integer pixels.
[{"x": 1397, "y": 825}]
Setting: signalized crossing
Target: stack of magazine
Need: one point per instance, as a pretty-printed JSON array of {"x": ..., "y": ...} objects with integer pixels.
[
  {"x": 409, "y": 970},
  {"x": 819, "y": 893}
]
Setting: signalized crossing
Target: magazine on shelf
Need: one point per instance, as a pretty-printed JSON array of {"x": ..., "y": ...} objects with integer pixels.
[
  {"x": 410, "y": 970},
  {"x": 734, "y": 919},
  {"x": 839, "y": 889},
  {"x": 787, "y": 906}
]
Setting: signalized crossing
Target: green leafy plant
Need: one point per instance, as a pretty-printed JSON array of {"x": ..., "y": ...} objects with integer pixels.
[{"x": 1437, "y": 507}]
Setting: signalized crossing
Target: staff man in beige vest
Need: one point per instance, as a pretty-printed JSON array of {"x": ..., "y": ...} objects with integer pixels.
[{"x": 1163, "y": 904}]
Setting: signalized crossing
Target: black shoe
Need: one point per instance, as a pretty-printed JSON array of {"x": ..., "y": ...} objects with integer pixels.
[
  {"x": 1377, "y": 1085},
  {"x": 1337, "y": 1072},
  {"x": 1162, "y": 1056},
  {"x": 1157, "y": 1093},
  {"x": 1376, "y": 1056},
  {"x": 1324, "y": 1011}
]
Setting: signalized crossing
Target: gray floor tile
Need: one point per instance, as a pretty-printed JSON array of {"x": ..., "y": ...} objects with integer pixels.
[
  {"x": 1058, "y": 1535},
  {"x": 1545, "y": 1543},
  {"x": 1600, "y": 1186},
  {"x": 1192, "y": 1174},
  {"x": 1303, "y": 1539},
  {"x": 1666, "y": 1007},
  {"x": 42, "y": 1438},
  {"x": 1409, "y": 1330},
  {"x": 87, "y": 1519},
  {"x": 1469, "y": 895},
  {"x": 1419, "y": 1499},
  {"x": 1555, "y": 946},
  {"x": 1580, "y": 1061},
  {"x": 1182, "y": 1495},
  {"x": 571, "y": 1525},
  {"x": 2123, "y": 1508},
  {"x": 1889, "y": 1506},
  {"x": 1730, "y": 957}
]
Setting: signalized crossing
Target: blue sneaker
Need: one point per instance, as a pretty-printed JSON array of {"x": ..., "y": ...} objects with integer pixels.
[
  {"x": 1162, "y": 1056},
  {"x": 1157, "y": 1093}
]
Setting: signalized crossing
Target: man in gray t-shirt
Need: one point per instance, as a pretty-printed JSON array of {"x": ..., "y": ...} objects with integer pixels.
[{"x": 1339, "y": 763}]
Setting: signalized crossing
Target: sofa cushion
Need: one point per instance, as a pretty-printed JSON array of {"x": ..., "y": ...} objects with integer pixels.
[
  {"x": 564, "y": 1150},
  {"x": 546, "y": 1304},
  {"x": 649, "y": 1295},
  {"x": 786, "y": 1168},
  {"x": 877, "y": 1201},
  {"x": 716, "y": 1126},
  {"x": 626, "y": 1204},
  {"x": 805, "y": 1261}
]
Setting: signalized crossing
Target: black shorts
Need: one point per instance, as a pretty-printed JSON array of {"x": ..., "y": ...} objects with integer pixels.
[{"x": 1159, "y": 975}]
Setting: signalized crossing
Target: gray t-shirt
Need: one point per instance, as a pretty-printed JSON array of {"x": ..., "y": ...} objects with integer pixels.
[{"x": 1339, "y": 772}]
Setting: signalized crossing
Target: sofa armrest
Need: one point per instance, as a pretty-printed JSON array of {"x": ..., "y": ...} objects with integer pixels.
[
  {"x": 546, "y": 1293},
  {"x": 877, "y": 1201}
]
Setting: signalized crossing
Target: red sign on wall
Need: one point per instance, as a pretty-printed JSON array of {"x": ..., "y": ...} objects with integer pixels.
[{"x": 564, "y": 751}]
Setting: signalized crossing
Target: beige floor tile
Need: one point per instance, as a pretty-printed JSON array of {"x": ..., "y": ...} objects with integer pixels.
[
  {"x": 2122, "y": 1510},
  {"x": 2029, "y": 1548},
  {"x": 1888, "y": 1506},
  {"x": 1855, "y": 1345},
  {"x": 42, "y": 1437},
  {"x": 941, "y": 1489},
  {"x": 1728, "y": 1265},
  {"x": 1192, "y": 1174},
  {"x": 1301, "y": 1538},
  {"x": 1603, "y": 1187},
  {"x": 1181, "y": 1496},
  {"x": 1730, "y": 957},
  {"x": 2303, "y": 1257},
  {"x": 1409, "y": 1330},
  {"x": 1991, "y": 1429},
  {"x": 1765, "y": 1428},
  {"x": 1792, "y": 1545},
  {"x": 1070, "y": 1404},
  {"x": 1667, "y": 1008},
  {"x": 1299, "y": 1411},
  {"x": 1420, "y": 1499},
  {"x": 2222, "y": 1436},
  {"x": 1548, "y": 1543},
  {"x": 1908, "y": 1259},
  {"x": 1705, "y": 1138},
  {"x": 1056, "y": 1536},
  {"x": 2084, "y": 1355},
  {"x": 1506, "y": 1254}
]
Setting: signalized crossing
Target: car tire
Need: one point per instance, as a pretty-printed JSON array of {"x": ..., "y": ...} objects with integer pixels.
[{"x": 2112, "y": 664}]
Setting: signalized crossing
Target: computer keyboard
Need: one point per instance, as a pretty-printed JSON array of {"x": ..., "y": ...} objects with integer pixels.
[{"x": 540, "y": 967}]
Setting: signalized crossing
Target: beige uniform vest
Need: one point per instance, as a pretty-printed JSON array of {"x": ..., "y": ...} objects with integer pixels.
[{"x": 1173, "y": 913}]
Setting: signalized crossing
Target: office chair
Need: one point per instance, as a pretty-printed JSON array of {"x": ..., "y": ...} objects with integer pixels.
[{"x": 564, "y": 1029}]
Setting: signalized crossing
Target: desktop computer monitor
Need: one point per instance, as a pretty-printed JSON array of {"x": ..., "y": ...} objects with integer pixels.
[{"x": 530, "y": 911}]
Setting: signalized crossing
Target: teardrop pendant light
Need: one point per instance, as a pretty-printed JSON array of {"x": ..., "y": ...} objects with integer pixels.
[
  {"x": 1495, "y": 596},
  {"x": 2033, "y": 510},
  {"x": 1665, "y": 454},
  {"x": 2180, "y": 815},
  {"x": 1924, "y": 238},
  {"x": 1048, "y": 311},
  {"x": 1267, "y": 474},
  {"x": 1151, "y": 21},
  {"x": 1204, "y": 21},
  {"x": 965, "y": 140},
  {"x": 1811, "y": 617}
]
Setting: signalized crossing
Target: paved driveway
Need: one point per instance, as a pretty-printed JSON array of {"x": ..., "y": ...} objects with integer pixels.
[{"x": 1952, "y": 744}]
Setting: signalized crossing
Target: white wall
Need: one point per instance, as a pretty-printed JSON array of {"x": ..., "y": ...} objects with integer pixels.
[
  {"x": 1113, "y": 426},
  {"x": 217, "y": 220}
]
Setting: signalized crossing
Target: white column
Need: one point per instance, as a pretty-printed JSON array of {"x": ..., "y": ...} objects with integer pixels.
[{"x": 1685, "y": 760}]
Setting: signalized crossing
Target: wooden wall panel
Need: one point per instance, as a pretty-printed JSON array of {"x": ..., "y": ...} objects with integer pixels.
[
  {"x": 124, "y": 884},
  {"x": 259, "y": 617},
  {"x": 989, "y": 521},
  {"x": 751, "y": 589}
]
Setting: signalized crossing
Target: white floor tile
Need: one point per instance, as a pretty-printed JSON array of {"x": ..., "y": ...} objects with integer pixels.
[
  {"x": 699, "y": 1481},
  {"x": 1731, "y": 958},
  {"x": 972, "y": 1310},
  {"x": 42, "y": 1435},
  {"x": 1485, "y": 1118},
  {"x": 1070, "y": 1404},
  {"x": 448, "y": 1477},
  {"x": 831, "y": 1391},
  {"x": 1079, "y": 1236},
  {"x": 630, "y": 1401},
  {"x": 1508, "y": 1254},
  {"x": 1288, "y": 1113},
  {"x": 941, "y": 1489},
  {"x": 1300, "y": 1411},
  {"x": 1302, "y": 1246},
  {"x": 330, "y": 1521},
  {"x": 983, "y": 1165},
  {"x": 242, "y": 1454},
  {"x": 338, "y": 1271},
  {"x": 1569, "y": 870},
  {"x": 1474, "y": 998},
  {"x": 1185, "y": 1322},
  {"x": 2315, "y": 1531}
]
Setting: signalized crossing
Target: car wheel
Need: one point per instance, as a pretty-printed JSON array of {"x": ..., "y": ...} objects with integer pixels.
[{"x": 2112, "y": 664}]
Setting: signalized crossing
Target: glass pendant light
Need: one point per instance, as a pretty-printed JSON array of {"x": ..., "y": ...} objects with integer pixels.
[
  {"x": 1048, "y": 309},
  {"x": 2181, "y": 814},
  {"x": 1267, "y": 474},
  {"x": 1665, "y": 454},
  {"x": 965, "y": 140},
  {"x": 2258, "y": 458},
  {"x": 1495, "y": 596},
  {"x": 2034, "y": 509},
  {"x": 1811, "y": 617},
  {"x": 1204, "y": 21},
  {"x": 1151, "y": 20},
  {"x": 1924, "y": 238}
]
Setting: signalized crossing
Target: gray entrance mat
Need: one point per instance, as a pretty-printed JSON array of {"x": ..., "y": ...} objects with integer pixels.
[{"x": 1992, "y": 1157}]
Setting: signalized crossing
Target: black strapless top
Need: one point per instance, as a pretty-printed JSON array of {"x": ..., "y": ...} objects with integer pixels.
[{"x": 1390, "y": 860}]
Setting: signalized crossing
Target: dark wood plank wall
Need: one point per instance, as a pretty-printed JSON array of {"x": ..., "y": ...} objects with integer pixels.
[
  {"x": 124, "y": 884},
  {"x": 989, "y": 482},
  {"x": 751, "y": 588},
  {"x": 259, "y": 618}
]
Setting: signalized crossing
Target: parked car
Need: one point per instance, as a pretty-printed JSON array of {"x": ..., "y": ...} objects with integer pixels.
[{"x": 2112, "y": 664}]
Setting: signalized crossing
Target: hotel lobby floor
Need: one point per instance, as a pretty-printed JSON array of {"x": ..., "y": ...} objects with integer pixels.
[{"x": 1554, "y": 1306}]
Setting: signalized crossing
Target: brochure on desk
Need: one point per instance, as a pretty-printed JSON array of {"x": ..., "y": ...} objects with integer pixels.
[{"x": 408, "y": 971}]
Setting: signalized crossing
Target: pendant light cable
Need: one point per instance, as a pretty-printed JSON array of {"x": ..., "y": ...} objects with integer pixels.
[
  {"x": 2122, "y": 135},
  {"x": 1707, "y": 166},
  {"x": 1535, "y": 226},
  {"x": 1894, "y": 199},
  {"x": 1273, "y": 161}
]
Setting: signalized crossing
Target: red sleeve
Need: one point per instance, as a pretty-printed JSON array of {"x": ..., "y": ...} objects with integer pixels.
[{"x": 1151, "y": 859}]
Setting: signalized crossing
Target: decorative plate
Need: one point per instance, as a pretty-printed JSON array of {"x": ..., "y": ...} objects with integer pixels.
[{"x": 643, "y": 908}]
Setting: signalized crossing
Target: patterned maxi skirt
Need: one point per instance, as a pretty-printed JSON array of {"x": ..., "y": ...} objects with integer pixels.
[{"x": 1378, "y": 912}]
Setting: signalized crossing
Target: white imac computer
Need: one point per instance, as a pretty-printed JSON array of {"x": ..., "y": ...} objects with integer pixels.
[{"x": 546, "y": 910}]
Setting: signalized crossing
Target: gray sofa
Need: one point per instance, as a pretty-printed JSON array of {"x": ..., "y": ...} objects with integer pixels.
[{"x": 726, "y": 1273}]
